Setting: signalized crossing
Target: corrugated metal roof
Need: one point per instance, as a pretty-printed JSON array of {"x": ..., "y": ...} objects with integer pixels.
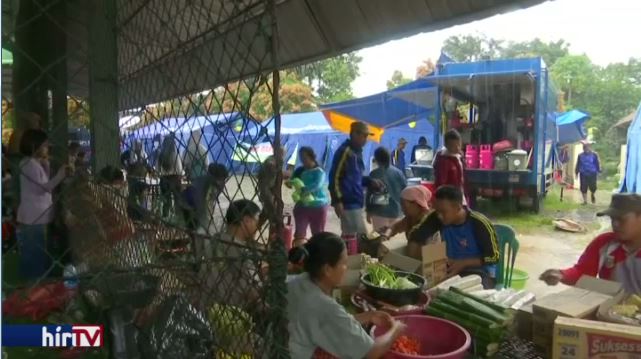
[{"x": 161, "y": 42}]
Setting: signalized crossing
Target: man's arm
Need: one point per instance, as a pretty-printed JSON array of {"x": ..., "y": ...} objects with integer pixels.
[
  {"x": 335, "y": 175},
  {"x": 486, "y": 238},
  {"x": 588, "y": 263},
  {"x": 429, "y": 228},
  {"x": 577, "y": 165}
]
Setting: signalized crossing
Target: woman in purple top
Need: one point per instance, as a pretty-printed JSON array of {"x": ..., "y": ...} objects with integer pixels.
[
  {"x": 588, "y": 167},
  {"x": 35, "y": 211}
]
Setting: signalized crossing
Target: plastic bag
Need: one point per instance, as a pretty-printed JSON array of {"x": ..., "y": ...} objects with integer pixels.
[{"x": 178, "y": 331}]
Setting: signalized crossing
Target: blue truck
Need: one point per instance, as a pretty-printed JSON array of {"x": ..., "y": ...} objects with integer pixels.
[{"x": 507, "y": 104}]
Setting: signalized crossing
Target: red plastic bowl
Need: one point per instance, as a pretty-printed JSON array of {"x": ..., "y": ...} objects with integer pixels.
[{"x": 439, "y": 338}]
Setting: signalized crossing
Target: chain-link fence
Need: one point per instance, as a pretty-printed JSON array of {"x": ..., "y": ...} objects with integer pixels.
[{"x": 167, "y": 227}]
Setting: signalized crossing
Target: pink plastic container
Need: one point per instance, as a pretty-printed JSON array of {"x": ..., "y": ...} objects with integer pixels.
[
  {"x": 439, "y": 338},
  {"x": 486, "y": 161},
  {"x": 352, "y": 244},
  {"x": 471, "y": 156}
]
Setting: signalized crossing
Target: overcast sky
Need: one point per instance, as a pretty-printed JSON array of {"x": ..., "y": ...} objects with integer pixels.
[{"x": 606, "y": 30}]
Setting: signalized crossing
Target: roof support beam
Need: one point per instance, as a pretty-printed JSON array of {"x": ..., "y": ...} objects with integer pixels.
[{"x": 103, "y": 84}]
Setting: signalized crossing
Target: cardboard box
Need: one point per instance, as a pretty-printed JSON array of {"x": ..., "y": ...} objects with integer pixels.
[
  {"x": 523, "y": 322},
  {"x": 433, "y": 265},
  {"x": 580, "y": 301},
  {"x": 587, "y": 339}
]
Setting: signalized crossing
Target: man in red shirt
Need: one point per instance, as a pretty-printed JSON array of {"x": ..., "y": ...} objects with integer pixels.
[{"x": 614, "y": 255}]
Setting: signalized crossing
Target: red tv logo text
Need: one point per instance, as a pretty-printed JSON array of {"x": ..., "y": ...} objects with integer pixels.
[{"x": 79, "y": 336}]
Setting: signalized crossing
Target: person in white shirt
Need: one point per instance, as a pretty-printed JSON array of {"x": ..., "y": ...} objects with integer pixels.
[
  {"x": 319, "y": 326},
  {"x": 35, "y": 211}
]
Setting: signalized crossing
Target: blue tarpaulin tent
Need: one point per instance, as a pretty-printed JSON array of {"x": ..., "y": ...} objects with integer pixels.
[
  {"x": 571, "y": 126},
  {"x": 632, "y": 178},
  {"x": 223, "y": 133},
  {"x": 220, "y": 133},
  {"x": 311, "y": 129},
  {"x": 391, "y": 108}
]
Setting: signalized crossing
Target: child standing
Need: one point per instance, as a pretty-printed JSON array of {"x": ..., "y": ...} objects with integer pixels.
[{"x": 448, "y": 163}]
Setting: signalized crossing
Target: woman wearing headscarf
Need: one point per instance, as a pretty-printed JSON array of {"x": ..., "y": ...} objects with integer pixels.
[
  {"x": 170, "y": 170},
  {"x": 415, "y": 205},
  {"x": 196, "y": 158}
]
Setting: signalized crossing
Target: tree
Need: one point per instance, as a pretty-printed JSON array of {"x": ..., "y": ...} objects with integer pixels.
[
  {"x": 426, "y": 68},
  {"x": 331, "y": 79},
  {"x": 397, "y": 80},
  {"x": 575, "y": 75},
  {"x": 472, "y": 47},
  {"x": 549, "y": 51}
]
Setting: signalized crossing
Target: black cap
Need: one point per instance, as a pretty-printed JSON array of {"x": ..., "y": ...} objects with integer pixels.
[{"x": 622, "y": 203}]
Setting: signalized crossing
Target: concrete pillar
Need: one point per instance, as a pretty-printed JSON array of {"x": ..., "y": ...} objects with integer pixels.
[
  {"x": 29, "y": 53},
  {"x": 58, "y": 85},
  {"x": 103, "y": 84}
]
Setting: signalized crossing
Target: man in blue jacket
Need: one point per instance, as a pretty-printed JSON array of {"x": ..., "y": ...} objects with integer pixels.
[
  {"x": 347, "y": 183},
  {"x": 588, "y": 167}
]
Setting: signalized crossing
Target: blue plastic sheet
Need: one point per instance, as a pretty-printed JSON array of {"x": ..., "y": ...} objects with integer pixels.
[
  {"x": 571, "y": 126},
  {"x": 632, "y": 179}
]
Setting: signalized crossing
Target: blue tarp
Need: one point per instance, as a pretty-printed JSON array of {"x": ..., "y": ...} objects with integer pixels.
[
  {"x": 311, "y": 129},
  {"x": 571, "y": 126},
  {"x": 391, "y": 108},
  {"x": 632, "y": 179},
  {"x": 301, "y": 129}
]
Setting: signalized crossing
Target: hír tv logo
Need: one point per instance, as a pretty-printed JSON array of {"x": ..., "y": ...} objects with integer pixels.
[{"x": 53, "y": 335}]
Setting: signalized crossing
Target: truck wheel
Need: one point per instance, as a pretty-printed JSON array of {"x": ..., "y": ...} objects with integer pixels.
[{"x": 537, "y": 203}]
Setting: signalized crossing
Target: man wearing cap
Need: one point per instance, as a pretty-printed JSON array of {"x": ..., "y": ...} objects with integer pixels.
[
  {"x": 398, "y": 155},
  {"x": 588, "y": 167},
  {"x": 347, "y": 183},
  {"x": 614, "y": 255}
]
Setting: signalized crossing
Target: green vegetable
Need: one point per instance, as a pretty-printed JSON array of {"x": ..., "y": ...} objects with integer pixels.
[
  {"x": 467, "y": 304},
  {"x": 404, "y": 283},
  {"x": 474, "y": 318},
  {"x": 383, "y": 276},
  {"x": 477, "y": 331},
  {"x": 494, "y": 306}
]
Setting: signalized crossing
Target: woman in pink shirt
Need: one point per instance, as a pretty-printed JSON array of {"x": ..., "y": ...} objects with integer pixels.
[{"x": 35, "y": 211}]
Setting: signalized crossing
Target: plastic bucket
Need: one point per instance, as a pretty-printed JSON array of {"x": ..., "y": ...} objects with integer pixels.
[
  {"x": 439, "y": 338},
  {"x": 519, "y": 279}
]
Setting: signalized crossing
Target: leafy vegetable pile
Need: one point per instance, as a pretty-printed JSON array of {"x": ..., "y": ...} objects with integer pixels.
[{"x": 383, "y": 276}]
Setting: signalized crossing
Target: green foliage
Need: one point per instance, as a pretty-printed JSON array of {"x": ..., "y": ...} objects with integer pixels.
[
  {"x": 397, "y": 80},
  {"x": 476, "y": 47},
  {"x": 331, "y": 79},
  {"x": 472, "y": 47},
  {"x": 549, "y": 51}
]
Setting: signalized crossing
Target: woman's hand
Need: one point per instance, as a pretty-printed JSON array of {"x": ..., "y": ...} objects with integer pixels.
[
  {"x": 398, "y": 328},
  {"x": 380, "y": 318}
]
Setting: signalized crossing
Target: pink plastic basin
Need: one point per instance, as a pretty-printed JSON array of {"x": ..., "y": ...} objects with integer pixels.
[{"x": 439, "y": 338}]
